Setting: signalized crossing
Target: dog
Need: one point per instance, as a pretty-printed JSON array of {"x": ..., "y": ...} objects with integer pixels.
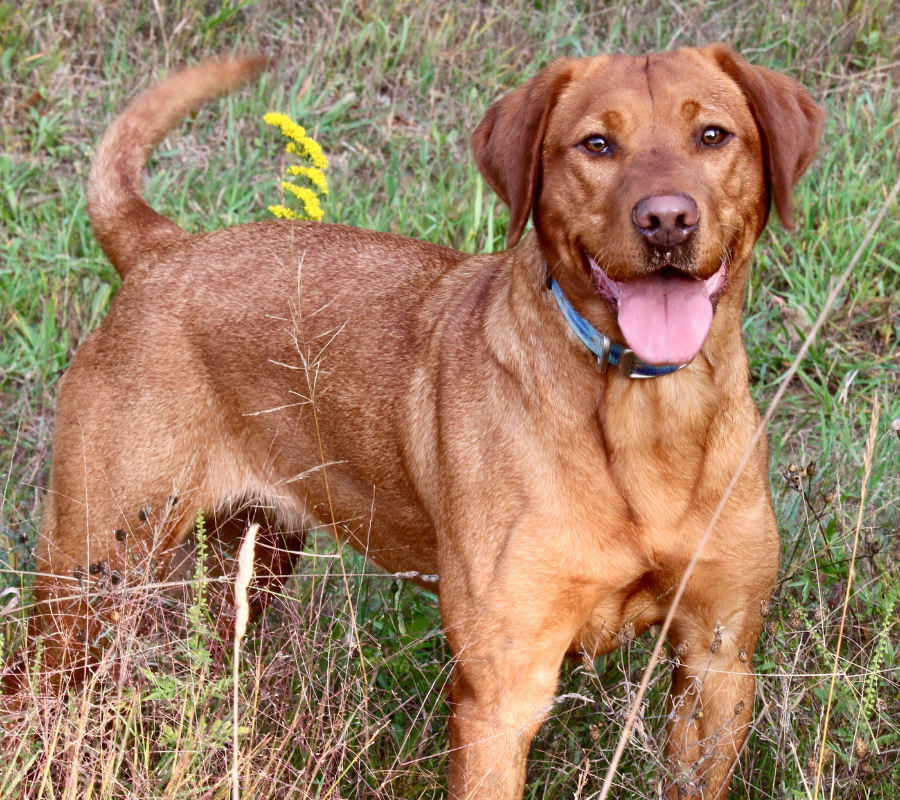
[{"x": 547, "y": 430}]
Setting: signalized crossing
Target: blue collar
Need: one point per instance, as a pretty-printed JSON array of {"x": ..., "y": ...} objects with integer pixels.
[{"x": 607, "y": 351}]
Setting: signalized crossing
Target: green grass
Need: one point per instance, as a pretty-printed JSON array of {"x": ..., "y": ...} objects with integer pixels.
[{"x": 392, "y": 91}]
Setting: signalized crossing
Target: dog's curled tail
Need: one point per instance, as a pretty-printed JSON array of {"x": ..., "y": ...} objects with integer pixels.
[{"x": 123, "y": 222}]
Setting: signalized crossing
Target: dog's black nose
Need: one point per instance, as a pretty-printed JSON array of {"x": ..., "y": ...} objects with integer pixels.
[{"x": 666, "y": 219}]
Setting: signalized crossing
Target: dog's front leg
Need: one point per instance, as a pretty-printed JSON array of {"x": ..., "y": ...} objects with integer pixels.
[
  {"x": 711, "y": 703},
  {"x": 508, "y": 642}
]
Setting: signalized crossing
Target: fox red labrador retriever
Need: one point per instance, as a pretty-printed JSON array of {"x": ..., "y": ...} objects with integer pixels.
[{"x": 547, "y": 430}]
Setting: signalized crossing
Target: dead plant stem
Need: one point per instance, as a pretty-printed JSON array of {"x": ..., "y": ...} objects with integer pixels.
[
  {"x": 246, "y": 558},
  {"x": 353, "y": 625}
]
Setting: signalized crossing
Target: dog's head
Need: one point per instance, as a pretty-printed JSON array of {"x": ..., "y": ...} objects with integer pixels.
[{"x": 650, "y": 178}]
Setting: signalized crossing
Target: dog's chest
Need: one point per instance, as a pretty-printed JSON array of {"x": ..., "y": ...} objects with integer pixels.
[{"x": 658, "y": 439}]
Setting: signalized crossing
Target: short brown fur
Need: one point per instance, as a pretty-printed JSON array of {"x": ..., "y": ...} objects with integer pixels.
[{"x": 467, "y": 432}]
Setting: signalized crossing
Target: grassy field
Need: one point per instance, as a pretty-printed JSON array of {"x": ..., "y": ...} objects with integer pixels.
[{"x": 392, "y": 90}]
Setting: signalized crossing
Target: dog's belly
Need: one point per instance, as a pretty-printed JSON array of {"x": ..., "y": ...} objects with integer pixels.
[
  {"x": 381, "y": 523},
  {"x": 340, "y": 483}
]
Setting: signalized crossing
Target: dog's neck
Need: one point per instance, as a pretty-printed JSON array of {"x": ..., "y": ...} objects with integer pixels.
[
  {"x": 534, "y": 307},
  {"x": 645, "y": 428}
]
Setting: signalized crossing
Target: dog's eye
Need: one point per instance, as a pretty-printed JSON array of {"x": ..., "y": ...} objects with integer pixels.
[
  {"x": 713, "y": 135},
  {"x": 596, "y": 144}
]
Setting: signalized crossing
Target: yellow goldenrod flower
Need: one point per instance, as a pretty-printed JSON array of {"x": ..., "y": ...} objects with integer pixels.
[
  {"x": 315, "y": 176},
  {"x": 308, "y": 197},
  {"x": 284, "y": 213},
  {"x": 308, "y": 149},
  {"x": 289, "y": 129}
]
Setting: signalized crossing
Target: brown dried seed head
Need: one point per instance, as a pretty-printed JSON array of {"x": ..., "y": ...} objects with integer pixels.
[
  {"x": 811, "y": 469},
  {"x": 829, "y": 497},
  {"x": 861, "y": 748},
  {"x": 742, "y": 656},
  {"x": 683, "y": 648},
  {"x": 819, "y": 614},
  {"x": 771, "y": 627},
  {"x": 95, "y": 569},
  {"x": 738, "y": 707},
  {"x": 764, "y": 608},
  {"x": 120, "y": 535},
  {"x": 794, "y": 619},
  {"x": 779, "y": 659},
  {"x": 716, "y": 643},
  {"x": 115, "y": 576},
  {"x": 78, "y": 573},
  {"x": 698, "y": 714},
  {"x": 866, "y": 769},
  {"x": 81, "y": 635},
  {"x": 626, "y": 633},
  {"x": 595, "y": 733},
  {"x": 142, "y": 515},
  {"x": 792, "y": 467}
]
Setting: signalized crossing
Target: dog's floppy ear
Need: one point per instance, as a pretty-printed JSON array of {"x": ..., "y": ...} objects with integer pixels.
[
  {"x": 789, "y": 122},
  {"x": 507, "y": 143}
]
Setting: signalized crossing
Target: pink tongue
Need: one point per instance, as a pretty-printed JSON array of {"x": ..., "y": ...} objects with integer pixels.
[{"x": 665, "y": 318}]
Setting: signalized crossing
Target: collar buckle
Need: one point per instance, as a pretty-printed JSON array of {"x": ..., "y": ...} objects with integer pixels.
[{"x": 603, "y": 355}]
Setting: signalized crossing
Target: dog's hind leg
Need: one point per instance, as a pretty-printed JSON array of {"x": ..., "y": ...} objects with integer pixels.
[
  {"x": 103, "y": 541},
  {"x": 111, "y": 547},
  {"x": 131, "y": 467}
]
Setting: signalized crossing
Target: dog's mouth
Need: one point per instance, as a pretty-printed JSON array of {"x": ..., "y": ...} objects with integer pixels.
[{"x": 665, "y": 316}]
